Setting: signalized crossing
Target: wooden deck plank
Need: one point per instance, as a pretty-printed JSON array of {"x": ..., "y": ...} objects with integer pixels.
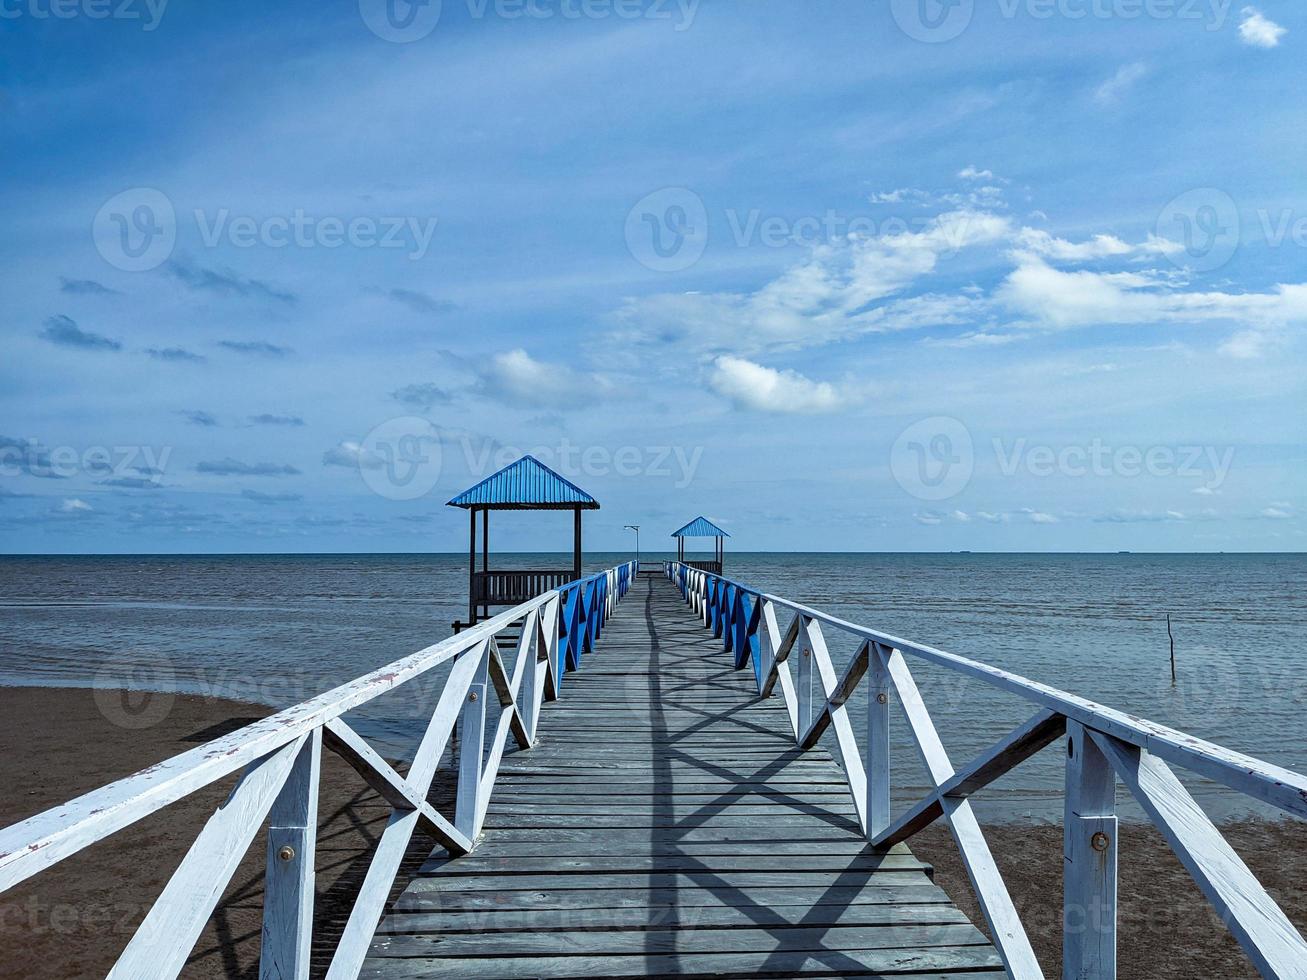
[{"x": 666, "y": 824}]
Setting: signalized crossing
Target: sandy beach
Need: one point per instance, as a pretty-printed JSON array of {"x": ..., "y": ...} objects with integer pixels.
[{"x": 73, "y": 919}]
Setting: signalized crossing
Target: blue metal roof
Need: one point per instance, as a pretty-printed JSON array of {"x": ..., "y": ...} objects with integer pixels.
[
  {"x": 526, "y": 484},
  {"x": 700, "y": 527}
]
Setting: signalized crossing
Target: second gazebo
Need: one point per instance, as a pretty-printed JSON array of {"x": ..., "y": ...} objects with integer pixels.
[{"x": 701, "y": 527}]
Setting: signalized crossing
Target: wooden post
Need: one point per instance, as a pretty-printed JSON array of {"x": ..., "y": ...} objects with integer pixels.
[
  {"x": 485, "y": 540},
  {"x": 1090, "y": 856},
  {"x": 472, "y": 567},
  {"x": 576, "y": 543},
  {"x": 471, "y": 743},
  {"x": 288, "y": 881},
  {"x": 804, "y": 680},
  {"x": 878, "y": 805}
]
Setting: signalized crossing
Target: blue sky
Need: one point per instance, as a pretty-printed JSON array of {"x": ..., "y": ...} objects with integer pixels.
[{"x": 1008, "y": 275}]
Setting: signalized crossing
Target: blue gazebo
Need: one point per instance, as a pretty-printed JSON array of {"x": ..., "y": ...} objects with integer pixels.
[
  {"x": 701, "y": 527},
  {"x": 526, "y": 484}
]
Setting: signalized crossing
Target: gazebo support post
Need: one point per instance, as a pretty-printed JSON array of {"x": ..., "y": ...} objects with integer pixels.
[
  {"x": 576, "y": 543},
  {"x": 472, "y": 567}
]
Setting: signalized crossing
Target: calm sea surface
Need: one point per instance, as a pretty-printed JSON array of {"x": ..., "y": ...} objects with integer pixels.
[{"x": 278, "y": 629}]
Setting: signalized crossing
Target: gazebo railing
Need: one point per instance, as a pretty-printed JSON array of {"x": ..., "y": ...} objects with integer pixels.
[
  {"x": 513, "y": 586},
  {"x": 279, "y": 759},
  {"x": 715, "y": 567},
  {"x": 1102, "y": 744}
]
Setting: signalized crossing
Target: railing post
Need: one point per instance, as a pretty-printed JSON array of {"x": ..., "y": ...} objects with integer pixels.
[
  {"x": 878, "y": 683},
  {"x": 526, "y": 693},
  {"x": 471, "y": 743},
  {"x": 288, "y": 880},
  {"x": 1090, "y": 857},
  {"x": 803, "y": 683}
]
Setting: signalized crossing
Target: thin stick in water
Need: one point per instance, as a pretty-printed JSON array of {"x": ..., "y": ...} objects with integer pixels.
[{"x": 1171, "y": 637}]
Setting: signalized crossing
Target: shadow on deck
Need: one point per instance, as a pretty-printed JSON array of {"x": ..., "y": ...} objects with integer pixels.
[{"x": 665, "y": 824}]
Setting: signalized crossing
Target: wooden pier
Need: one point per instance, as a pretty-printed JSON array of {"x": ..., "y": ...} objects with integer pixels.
[
  {"x": 640, "y": 786},
  {"x": 666, "y": 824}
]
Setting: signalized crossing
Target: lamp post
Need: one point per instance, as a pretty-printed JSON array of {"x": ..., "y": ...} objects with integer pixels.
[{"x": 636, "y": 529}]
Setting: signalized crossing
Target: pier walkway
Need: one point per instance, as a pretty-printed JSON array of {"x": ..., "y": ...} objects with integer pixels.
[
  {"x": 667, "y": 824},
  {"x": 640, "y": 786}
]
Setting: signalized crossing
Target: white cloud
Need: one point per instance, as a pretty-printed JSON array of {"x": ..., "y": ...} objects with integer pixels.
[
  {"x": 765, "y": 389},
  {"x": 901, "y": 195},
  {"x": 516, "y": 377},
  {"x": 75, "y": 505},
  {"x": 1058, "y": 298},
  {"x": 352, "y": 455},
  {"x": 827, "y": 297},
  {"x": 1115, "y": 88},
  {"x": 970, "y": 172},
  {"x": 1099, "y": 247},
  {"x": 1258, "y": 31},
  {"x": 1039, "y": 516}
]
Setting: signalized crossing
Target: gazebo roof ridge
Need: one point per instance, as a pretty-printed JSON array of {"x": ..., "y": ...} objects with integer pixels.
[
  {"x": 700, "y": 527},
  {"x": 525, "y": 484}
]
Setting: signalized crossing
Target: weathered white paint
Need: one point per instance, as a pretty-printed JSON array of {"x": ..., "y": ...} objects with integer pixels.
[
  {"x": 1267, "y": 936},
  {"x": 837, "y": 692},
  {"x": 169, "y": 930},
  {"x": 1134, "y": 747},
  {"x": 1089, "y": 871},
  {"x": 288, "y": 879},
  {"x": 281, "y": 759},
  {"x": 1011, "y": 750},
  {"x": 1262, "y": 780},
  {"x": 1005, "y": 926},
  {"x": 878, "y": 751},
  {"x": 394, "y": 788}
]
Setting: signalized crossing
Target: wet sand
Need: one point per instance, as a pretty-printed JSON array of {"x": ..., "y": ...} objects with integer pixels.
[{"x": 72, "y": 920}]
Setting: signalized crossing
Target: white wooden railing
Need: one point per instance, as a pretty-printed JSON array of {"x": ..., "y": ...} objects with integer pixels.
[
  {"x": 279, "y": 760},
  {"x": 1101, "y": 745}
]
